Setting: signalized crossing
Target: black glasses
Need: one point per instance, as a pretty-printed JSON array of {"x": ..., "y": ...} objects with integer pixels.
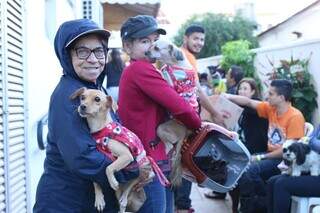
[{"x": 84, "y": 52}]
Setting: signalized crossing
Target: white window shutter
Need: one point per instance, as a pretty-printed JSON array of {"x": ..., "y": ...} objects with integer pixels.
[
  {"x": 92, "y": 9},
  {"x": 13, "y": 190},
  {"x": 2, "y": 151}
]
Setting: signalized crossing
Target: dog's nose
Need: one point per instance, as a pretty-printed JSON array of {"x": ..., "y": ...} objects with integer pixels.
[{"x": 83, "y": 107}]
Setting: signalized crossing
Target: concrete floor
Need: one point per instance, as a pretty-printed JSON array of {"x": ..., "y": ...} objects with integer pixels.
[{"x": 201, "y": 204}]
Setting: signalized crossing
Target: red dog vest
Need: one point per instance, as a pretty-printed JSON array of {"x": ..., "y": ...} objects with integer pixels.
[{"x": 121, "y": 134}]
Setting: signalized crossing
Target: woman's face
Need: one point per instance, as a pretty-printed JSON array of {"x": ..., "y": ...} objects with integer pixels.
[
  {"x": 88, "y": 58},
  {"x": 139, "y": 47},
  {"x": 245, "y": 90}
]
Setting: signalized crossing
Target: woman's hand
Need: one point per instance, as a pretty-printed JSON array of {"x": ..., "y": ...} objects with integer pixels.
[{"x": 144, "y": 177}]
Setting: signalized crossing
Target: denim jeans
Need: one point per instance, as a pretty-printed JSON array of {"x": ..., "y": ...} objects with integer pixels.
[
  {"x": 281, "y": 187},
  {"x": 182, "y": 195},
  {"x": 159, "y": 198}
]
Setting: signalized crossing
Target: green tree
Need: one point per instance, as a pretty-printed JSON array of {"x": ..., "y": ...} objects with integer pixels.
[
  {"x": 219, "y": 30},
  {"x": 238, "y": 53}
]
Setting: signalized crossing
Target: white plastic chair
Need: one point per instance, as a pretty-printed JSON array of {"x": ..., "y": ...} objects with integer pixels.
[
  {"x": 308, "y": 129},
  {"x": 303, "y": 204}
]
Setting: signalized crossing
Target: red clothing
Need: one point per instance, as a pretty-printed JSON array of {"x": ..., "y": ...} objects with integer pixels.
[
  {"x": 144, "y": 100},
  {"x": 183, "y": 81},
  {"x": 117, "y": 132}
]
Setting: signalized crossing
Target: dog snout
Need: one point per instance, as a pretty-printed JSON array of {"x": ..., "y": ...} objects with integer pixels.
[{"x": 83, "y": 107}]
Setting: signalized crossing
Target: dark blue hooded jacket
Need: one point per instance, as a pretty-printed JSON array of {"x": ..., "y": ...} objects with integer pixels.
[{"x": 72, "y": 161}]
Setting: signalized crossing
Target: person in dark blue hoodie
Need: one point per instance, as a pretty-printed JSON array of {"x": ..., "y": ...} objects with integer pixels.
[{"x": 72, "y": 161}]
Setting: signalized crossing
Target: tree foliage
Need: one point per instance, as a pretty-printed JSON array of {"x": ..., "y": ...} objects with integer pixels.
[
  {"x": 238, "y": 53},
  {"x": 219, "y": 30}
]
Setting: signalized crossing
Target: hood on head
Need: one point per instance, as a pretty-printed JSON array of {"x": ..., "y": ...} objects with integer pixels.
[{"x": 69, "y": 32}]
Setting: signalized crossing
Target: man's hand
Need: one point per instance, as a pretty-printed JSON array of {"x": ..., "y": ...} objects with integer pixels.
[
  {"x": 218, "y": 118},
  {"x": 144, "y": 177},
  {"x": 255, "y": 158}
]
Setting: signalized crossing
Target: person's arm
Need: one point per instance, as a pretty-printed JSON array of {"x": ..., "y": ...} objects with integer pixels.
[
  {"x": 269, "y": 155},
  {"x": 149, "y": 80},
  {"x": 242, "y": 100},
  {"x": 205, "y": 103}
]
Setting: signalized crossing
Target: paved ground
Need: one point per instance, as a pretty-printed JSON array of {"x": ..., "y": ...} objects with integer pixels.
[{"x": 201, "y": 204}]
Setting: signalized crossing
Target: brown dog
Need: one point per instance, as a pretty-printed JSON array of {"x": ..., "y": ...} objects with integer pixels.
[
  {"x": 95, "y": 106},
  {"x": 173, "y": 132}
]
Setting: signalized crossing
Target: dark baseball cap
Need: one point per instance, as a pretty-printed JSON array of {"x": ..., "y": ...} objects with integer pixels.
[
  {"x": 140, "y": 26},
  {"x": 82, "y": 27}
]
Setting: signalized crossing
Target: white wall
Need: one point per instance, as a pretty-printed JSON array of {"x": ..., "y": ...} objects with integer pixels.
[
  {"x": 298, "y": 49},
  {"x": 43, "y": 73},
  {"x": 306, "y": 23}
]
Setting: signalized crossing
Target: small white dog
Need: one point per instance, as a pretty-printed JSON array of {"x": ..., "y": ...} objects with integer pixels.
[{"x": 300, "y": 158}]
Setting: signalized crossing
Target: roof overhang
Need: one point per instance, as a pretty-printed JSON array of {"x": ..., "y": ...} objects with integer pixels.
[{"x": 115, "y": 12}]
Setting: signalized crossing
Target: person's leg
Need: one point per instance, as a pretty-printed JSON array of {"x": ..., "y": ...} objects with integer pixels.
[
  {"x": 285, "y": 186},
  {"x": 234, "y": 194},
  {"x": 270, "y": 191},
  {"x": 182, "y": 195},
  {"x": 169, "y": 200},
  {"x": 156, "y": 198}
]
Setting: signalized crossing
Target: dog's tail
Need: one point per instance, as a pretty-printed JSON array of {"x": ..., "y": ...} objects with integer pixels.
[{"x": 176, "y": 173}]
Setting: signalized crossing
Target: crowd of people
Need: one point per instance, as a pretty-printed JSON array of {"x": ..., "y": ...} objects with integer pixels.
[{"x": 145, "y": 100}]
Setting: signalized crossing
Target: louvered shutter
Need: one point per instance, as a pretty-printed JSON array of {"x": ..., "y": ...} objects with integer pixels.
[
  {"x": 13, "y": 116},
  {"x": 2, "y": 159}
]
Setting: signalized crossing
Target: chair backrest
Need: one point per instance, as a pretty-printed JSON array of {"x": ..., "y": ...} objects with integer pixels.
[{"x": 308, "y": 129}]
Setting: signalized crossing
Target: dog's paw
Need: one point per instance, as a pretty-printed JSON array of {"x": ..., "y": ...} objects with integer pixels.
[
  {"x": 123, "y": 201},
  {"x": 114, "y": 185},
  {"x": 99, "y": 203}
]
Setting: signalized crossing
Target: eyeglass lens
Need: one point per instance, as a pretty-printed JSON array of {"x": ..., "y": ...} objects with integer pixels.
[{"x": 84, "y": 52}]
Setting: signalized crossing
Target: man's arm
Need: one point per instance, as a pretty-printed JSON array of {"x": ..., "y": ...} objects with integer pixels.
[
  {"x": 274, "y": 154},
  {"x": 270, "y": 155},
  {"x": 242, "y": 100}
]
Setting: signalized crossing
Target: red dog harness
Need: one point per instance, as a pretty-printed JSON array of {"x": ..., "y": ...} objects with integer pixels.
[
  {"x": 183, "y": 81},
  {"x": 121, "y": 134}
]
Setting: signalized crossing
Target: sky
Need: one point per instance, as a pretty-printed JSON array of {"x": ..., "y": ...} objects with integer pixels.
[{"x": 266, "y": 11}]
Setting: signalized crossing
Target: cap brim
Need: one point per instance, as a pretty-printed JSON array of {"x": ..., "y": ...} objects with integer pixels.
[
  {"x": 101, "y": 32},
  {"x": 147, "y": 31}
]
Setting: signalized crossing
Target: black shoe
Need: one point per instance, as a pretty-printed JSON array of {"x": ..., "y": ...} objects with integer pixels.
[{"x": 215, "y": 195}]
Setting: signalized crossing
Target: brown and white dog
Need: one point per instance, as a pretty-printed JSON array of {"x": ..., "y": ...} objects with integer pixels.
[
  {"x": 95, "y": 106},
  {"x": 173, "y": 132}
]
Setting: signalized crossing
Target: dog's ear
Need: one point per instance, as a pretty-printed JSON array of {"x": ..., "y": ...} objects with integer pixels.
[
  {"x": 176, "y": 53},
  {"x": 111, "y": 103},
  {"x": 301, "y": 151},
  {"x": 77, "y": 93}
]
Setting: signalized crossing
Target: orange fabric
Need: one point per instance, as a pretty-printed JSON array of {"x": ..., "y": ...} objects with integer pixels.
[
  {"x": 192, "y": 60},
  {"x": 290, "y": 125}
]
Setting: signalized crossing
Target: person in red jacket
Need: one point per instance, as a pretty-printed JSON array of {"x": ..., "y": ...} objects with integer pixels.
[{"x": 145, "y": 100}]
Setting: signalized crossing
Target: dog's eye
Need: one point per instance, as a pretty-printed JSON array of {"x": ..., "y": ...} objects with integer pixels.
[
  {"x": 82, "y": 97},
  {"x": 156, "y": 48},
  {"x": 284, "y": 150},
  {"x": 97, "y": 99}
]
